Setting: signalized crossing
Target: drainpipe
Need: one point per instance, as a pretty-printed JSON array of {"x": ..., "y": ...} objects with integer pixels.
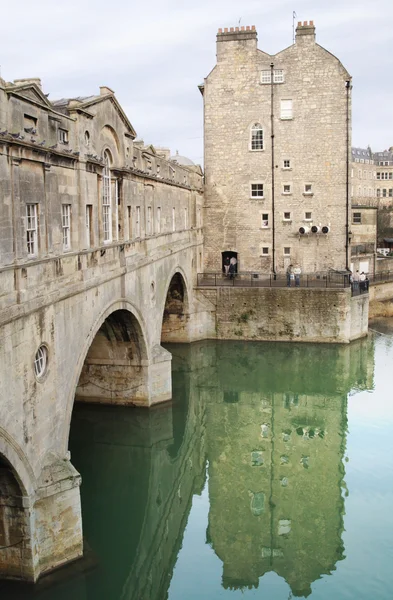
[
  {"x": 348, "y": 88},
  {"x": 272, "y": 149}
]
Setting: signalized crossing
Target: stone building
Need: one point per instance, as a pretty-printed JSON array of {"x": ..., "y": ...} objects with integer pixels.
[
  {"x": 277, "y": 143},
  {"x": 73, "y": 177}
]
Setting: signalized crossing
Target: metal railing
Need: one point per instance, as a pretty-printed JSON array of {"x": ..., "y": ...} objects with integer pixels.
[{"x": 327, "y": 279}]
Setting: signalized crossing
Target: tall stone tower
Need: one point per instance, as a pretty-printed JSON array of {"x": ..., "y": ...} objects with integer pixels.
[{"x": 277, "y": 134}]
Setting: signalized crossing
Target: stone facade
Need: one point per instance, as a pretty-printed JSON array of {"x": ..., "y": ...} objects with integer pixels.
[
  {"x": 277, "y": 142},
  {"x": 98, "y": 234}
]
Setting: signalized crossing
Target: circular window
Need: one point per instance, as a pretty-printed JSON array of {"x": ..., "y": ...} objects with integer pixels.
[
  {"x": 40, "y": 361},
  {"x": 87, "y": 138}
]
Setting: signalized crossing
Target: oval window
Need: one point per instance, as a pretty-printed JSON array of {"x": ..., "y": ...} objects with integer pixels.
[{"x": 40, "y": 361}]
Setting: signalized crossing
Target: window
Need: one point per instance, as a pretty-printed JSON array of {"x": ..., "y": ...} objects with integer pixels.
[
  {"x": 390, "y": 175},
  {"x": 265, "y": 220},
  {"x": 186, "y": 218},
  {"x": 364, "y": 174},
  {"x": 378, "y": 193},
  {"x": 63, "y": 136},
  {"x": 384, "y": 194},
  {"x": 158, "y": 219},
  {"x": 87, "y": 139},
  {"x": 138, "y": 222},
  {"x": 390, "y": 192},
  {"x": 286, "y": 109},
  {"x": 66, "y": 225},
  {"x": 29, "y": 124},
  {"x": 287, "y": 251},
  {"x": 307, "y": 216},
  {"x": 173, "y": 219},
  {"x": 287, "y": 163},
  {"x": 256, "y": 137},
  {"x": 266, "y": 76},
  {"x": 31, "y": 229},
  {"x": 359, "y": 174},
  {"x": 88, "y": 224},
  {"x": 158, "y": 170},
  {"x": 278, "y": 76},
  {"x": 378, "y": 175},
  {"x": 308, "y": 188},
  {"x": 287, "y": 216},
  {"x": 257, "y": 190},
  {"x": 286, "y": 188},
  {"x": 199, "y": 217},
  {"x": 357, "y": 217},
  {"x": 351, "y": 172},
  {"x": 40, "y": 361},
  {"x": 148, "y": 222},
  {"x": 129, "y": 222},
  {"x": 106, "y": 199},
  {"x": 265, "y": 250},
  {"x": 364, "y": 192}
]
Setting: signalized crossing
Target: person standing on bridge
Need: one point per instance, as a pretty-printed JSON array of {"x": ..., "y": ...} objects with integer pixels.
[
  {"x": 226, "y": 265},
  {"x": 297, "y": 272}
]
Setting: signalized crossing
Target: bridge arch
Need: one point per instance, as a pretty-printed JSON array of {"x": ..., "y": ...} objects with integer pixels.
[
  {"x": 120, "y": 334},
  {"x": 19, "y": 463},
  {"x": 175, "y": 308}
]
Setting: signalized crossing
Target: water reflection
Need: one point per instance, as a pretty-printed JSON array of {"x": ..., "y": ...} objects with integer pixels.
[
  {"x": 276, "y": 431},
  {"x": 268, "y": 421}
]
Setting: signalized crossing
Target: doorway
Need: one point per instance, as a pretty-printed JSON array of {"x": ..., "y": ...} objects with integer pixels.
[{"x": 228, "y": 254}]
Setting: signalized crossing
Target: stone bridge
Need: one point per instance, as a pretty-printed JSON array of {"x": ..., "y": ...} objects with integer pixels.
[{"x": 101, "y": 317}]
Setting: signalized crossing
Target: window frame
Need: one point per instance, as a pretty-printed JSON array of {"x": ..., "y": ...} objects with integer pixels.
[
  {"x": 286, "y": 113},
  {"x": 357, "y": 218},
  {"x": 66, "y": 226},
  {"x": 256, "y": 185},
  {"x": 63, "y": 136},
  {"x": 267, "y": 221},
  {"x": 258, "y": 139},
  {"x": 106, "y": 200},
  {"x": 289, "y": 218},
  {"x": 32, "y": 230}
]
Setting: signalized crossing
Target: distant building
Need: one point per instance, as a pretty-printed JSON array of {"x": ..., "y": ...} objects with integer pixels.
[{"x": 277, "y": 148}]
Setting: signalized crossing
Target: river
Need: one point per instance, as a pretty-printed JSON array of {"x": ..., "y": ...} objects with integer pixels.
[{"x": 269, "y": 475}]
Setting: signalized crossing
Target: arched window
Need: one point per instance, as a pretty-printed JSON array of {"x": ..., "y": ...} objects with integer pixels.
[
  {"x": 256, "y": 137},
  {"x": 106, "y": 199}
]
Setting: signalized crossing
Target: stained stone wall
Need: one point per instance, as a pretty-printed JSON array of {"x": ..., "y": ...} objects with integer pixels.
[{"x": 311, "y": 135}]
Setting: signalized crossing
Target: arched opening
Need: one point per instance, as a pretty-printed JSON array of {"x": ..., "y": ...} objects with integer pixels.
[
  {"x": 175, "y": 318},
  {"x": 115, "y": 368},
  {"x": 226, "y": 258},
  {"x": 15, "y": 547}
]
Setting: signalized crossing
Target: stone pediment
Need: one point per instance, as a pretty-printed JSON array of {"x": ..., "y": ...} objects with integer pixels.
[
  {"x": 31, "y": 93},
  {"x": 111, "y": 98}
]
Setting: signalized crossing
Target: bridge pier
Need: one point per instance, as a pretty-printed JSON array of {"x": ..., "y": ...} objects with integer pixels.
[{"x": 41, "y": 530}]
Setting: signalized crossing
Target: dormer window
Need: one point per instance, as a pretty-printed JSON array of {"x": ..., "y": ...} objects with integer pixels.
[
  {"x": 256, "y": 137},
  {"x": 63, "y": 136}
]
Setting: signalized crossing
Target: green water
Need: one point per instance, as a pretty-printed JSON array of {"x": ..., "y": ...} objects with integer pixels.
[{"x": 269, "y": 476}]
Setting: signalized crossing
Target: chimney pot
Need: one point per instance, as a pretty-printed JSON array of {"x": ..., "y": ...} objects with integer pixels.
[
  {"x": 220, "y": 30},
  {"x": 236, "y": 28},
  {"x": 231, "y": 29},
  {"x": 253, "y": 28},
  {"x": 225, "y": 29},
  {"x": 305, "y": 23},
  {"x": 242, "y": 28},
  {"x": 299, "y": 23},
  {"x": 312, "y": 23},
  {"x": 247, "y": 28}
]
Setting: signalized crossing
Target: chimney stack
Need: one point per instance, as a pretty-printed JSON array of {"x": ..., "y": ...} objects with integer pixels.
[
  {"x": 305, "y": 31},
  {"x": 245, "y": 34}
]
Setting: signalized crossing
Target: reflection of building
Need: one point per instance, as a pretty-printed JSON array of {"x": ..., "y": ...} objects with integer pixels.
[{"x": 276, "y": 442}]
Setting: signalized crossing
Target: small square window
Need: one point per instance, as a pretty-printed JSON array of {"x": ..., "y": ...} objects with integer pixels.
[
  {"x": 257, "y": 190},
  {"x": 265, "y": 220},
  {"x": 265, "y": 250},
  {"x": 286, "y": 188},
  {"x": 308, "y": 188},
  {"x": 287, "y": 163},
  {"x": 287, "y": 250},
  {"x": 357, "y": 217},
  {"x": 307, "y": 216},
  {"x": 287, "y": 216}
]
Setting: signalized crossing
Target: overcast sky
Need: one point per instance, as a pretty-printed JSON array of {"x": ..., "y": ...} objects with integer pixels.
[{"x": 153, "y": 54}]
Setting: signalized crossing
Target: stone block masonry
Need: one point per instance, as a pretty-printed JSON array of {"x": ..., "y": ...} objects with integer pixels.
[{"x": 301, "y": 315}]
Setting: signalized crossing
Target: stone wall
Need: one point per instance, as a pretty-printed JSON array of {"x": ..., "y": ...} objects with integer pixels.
[{"x": 278, "y": 314}]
